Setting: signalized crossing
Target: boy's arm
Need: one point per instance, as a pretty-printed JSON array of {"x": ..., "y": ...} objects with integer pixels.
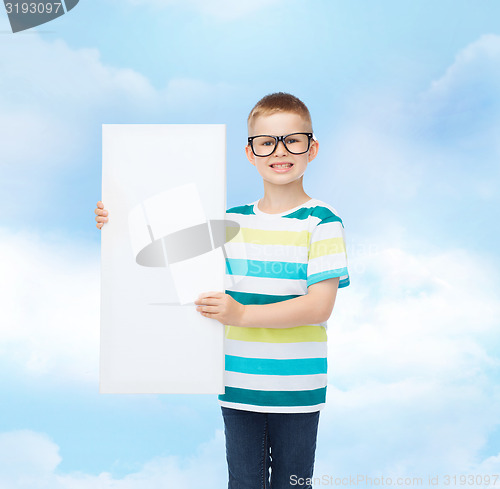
[{"x": 313, "y": 308}]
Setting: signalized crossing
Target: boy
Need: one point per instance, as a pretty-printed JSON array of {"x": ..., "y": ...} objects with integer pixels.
[{"x": 276, "y": 312}]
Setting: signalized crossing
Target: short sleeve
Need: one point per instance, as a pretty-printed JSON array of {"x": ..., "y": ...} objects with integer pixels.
[{"x": 327, "y": 251}]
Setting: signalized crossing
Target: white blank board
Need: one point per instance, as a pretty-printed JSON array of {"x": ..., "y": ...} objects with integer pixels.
[{"x": 162, "y": 184}]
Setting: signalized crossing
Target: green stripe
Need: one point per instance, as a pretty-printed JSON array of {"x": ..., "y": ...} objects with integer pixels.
[
  {"x": 267, "y": 269},
  {"x": 274, "y": 398},
  {"x": 321, "y": 212},
  {"x": 268, "y": 236},
  {"x": 249, "y": 298},
  {"x": 328, "y": 246},
  {"x": 272, "y": 366},
  {"x": 241, "y": 209},
  {"x": 297, "y": 334}
]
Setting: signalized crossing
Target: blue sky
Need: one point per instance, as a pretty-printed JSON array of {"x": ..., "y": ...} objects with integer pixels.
[{"x": 405, "y": 100}]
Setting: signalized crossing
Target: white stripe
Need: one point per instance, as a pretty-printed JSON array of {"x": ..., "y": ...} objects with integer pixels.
[
  {"x": 328, "y": 230},
  {"x": 275, "y": 382},
  {"x": 281, "y": 351},
  {"x": 273, "y": 409},
  {"x": 326, "y": 262},
  {"x": 261, "y": 285},
  {"x": 284, "y": 224}
]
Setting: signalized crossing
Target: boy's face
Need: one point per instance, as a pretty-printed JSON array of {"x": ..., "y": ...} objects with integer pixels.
[{"x": 281, "y": 124}]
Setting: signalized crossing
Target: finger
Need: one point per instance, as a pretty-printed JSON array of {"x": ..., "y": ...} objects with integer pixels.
[
  {"x": 100, "y": 212},
  {"x": 209, "y": 316},
  {"x": 100, "y": 205},
  {"x": 99, "y": 225},
  {"x": 101, "y": 219},
  {"x": 210, "y": 294},
  {"x": 209, "y": 301},
  {"x": 209, "y": 309}
]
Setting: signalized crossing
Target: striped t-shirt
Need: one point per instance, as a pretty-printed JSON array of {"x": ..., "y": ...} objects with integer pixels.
[{"x": 275, "y": 257}]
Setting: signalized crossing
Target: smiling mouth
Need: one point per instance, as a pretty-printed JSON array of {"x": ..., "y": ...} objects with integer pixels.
[{"x": 281, "y": 165}]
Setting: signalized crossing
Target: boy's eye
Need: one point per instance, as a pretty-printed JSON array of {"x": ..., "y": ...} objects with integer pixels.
[
  {"x": 264, "y": 141},
  {"x": 291, "y": 140}
]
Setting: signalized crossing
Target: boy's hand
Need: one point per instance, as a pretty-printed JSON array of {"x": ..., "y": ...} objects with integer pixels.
[
  {"x": 101, "y": 215},
  {"x": 220, "y": 306}
]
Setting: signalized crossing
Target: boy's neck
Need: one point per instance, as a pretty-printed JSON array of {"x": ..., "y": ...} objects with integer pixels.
[{"x": 278, "y": 199}]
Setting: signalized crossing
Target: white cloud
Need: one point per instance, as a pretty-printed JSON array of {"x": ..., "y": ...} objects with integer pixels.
[
  {"x": 50, "y": 306},
  {"x": 49, "y": 95},
  {"x": 420, "y": 161},
  {"x": 27, "y": 456},
  {"x": 429, "y": 314},
  {"x": 414, "y": 365},
  {"x": 407, "y": 428},
  {"x": 473, "y": 78},
  {"x": 463, "y": 105},
  {"x": 30, "y": 460},
  {"x": 52, "y": 95},
  {"x": 53, "y": 100},
  {"x": 489, "y": 466}
]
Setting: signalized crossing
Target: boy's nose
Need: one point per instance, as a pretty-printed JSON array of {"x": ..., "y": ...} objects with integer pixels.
[{"x": 280, "y": 149}]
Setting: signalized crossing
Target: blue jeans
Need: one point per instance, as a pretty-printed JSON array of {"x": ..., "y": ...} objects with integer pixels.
[{"x": 257, "y": 442}]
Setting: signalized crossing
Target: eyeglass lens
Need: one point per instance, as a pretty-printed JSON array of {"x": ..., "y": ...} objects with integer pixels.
[{"x": 294, "y": 143}]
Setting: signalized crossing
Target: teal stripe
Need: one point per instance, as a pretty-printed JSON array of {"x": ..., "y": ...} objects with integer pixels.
[
  {"x": 303, "y": 213},
  {"x": 332, "y": 218},
  {"x": 321, "y": 212},
  {"x": 318, "y": 277},
  {"x": 344, "y": 282},
  {"x": 274, "y": 398},
  {"x": 271, "y": 366},
  {"x": 249, "y": 298},
  {"x": 241, "y": 209},
  {"x": 266, "y": 269}
]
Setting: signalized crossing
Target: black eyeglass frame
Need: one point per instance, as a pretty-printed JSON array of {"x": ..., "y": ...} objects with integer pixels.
[{"x": 309, "y": 135}]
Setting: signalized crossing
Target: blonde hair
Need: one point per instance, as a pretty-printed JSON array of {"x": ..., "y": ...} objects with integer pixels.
[{"x": 279, "y": 102}]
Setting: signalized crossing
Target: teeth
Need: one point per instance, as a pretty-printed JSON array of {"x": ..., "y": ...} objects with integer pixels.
[{"x": 282, "y": 165}]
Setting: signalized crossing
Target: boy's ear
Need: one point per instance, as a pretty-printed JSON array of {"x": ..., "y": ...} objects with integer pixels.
[
  {"x": 250, "y": 155},
  {"x": 313, "y": 150}
]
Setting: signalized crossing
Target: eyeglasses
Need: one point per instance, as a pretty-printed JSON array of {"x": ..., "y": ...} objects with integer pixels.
[{"x": 295, "y": 143}]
